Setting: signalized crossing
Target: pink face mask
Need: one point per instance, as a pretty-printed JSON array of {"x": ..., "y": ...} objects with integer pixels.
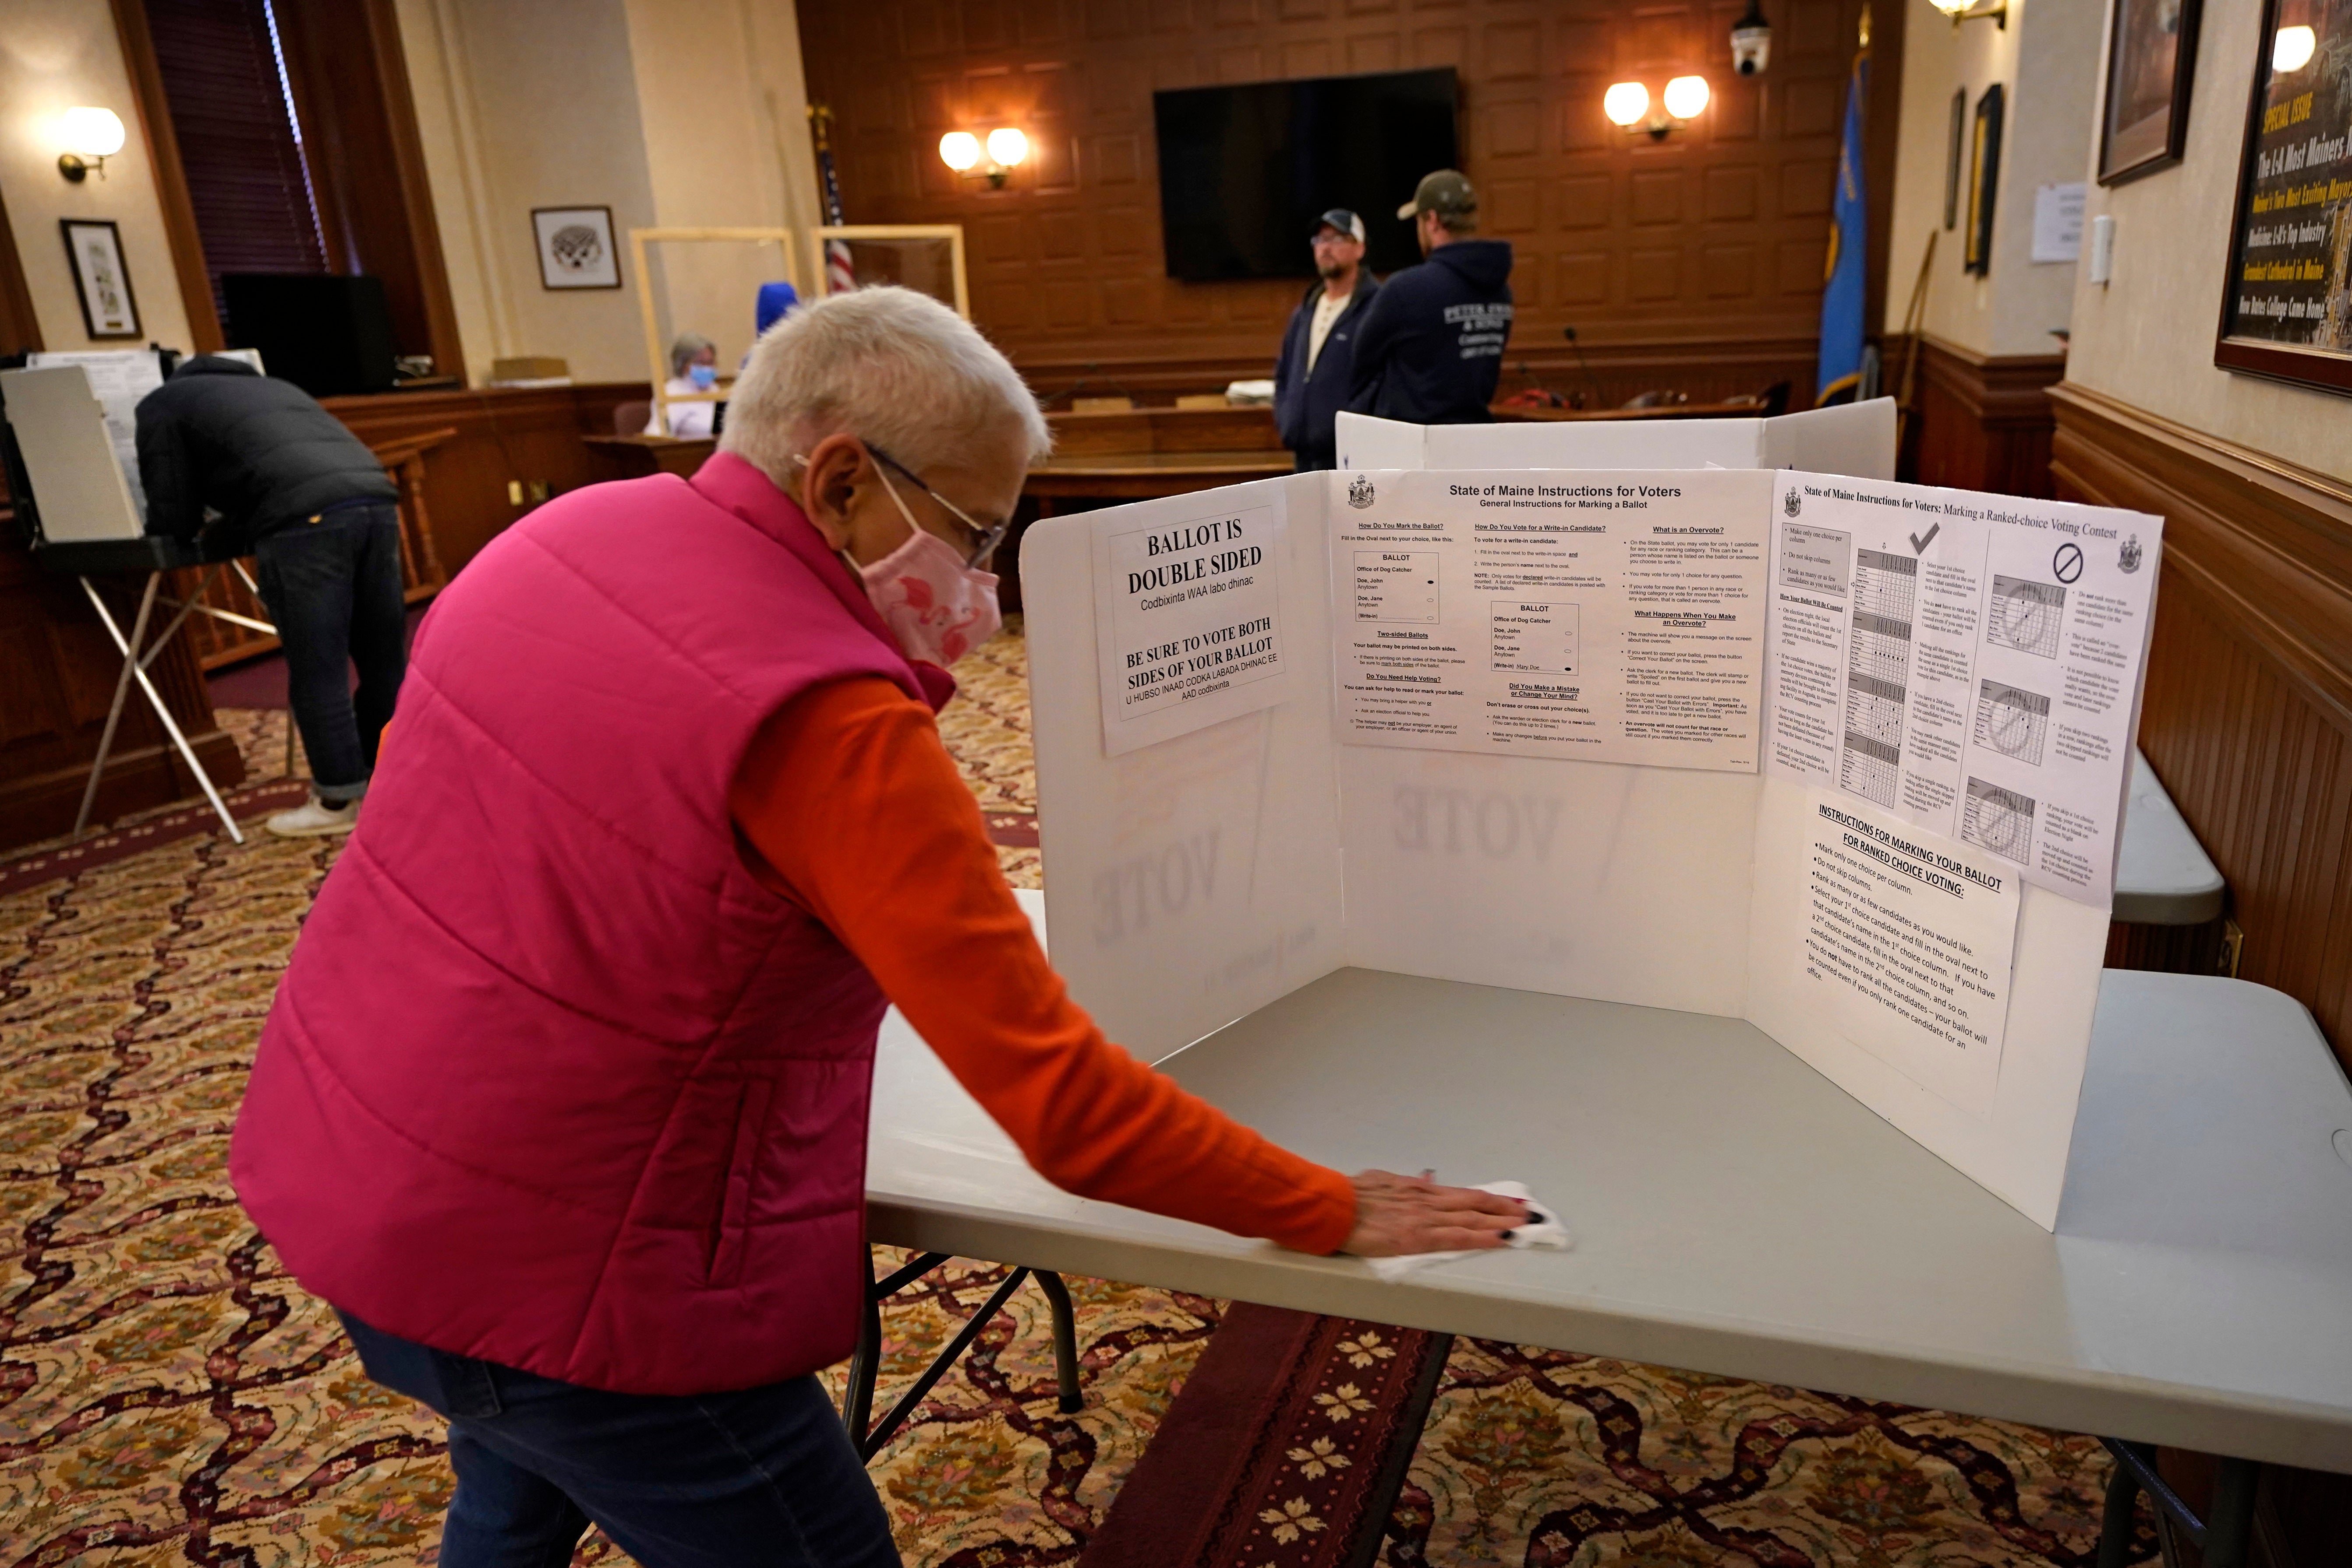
[{"x": 937, "y": 607}]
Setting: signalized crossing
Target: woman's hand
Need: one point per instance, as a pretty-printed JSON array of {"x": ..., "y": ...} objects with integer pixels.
[{"x": 1399, "y": 1215}]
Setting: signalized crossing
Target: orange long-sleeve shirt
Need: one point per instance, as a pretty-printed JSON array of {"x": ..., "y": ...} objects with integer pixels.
[{"x": 849, "y": 804}]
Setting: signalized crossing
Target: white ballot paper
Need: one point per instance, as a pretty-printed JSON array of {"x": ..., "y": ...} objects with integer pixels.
[
  {"x": 1968, "y": 662},
  {"x": 1908, "y": 943},
  {"x": 118, "y": 378},
  {"x": 1613, "y": 617},
  {"x": 1187, "y": 617}
]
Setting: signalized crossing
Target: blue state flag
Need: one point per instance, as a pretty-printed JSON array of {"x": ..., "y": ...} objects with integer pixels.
[{"x": 1843, "y": 285}]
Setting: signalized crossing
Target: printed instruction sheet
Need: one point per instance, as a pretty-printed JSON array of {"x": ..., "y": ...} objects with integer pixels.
[
  {"x": 1188, "y": 617},
  {"x": 118, "y": 378},
  {"x": 1970, "y": 663},
  {"x": 1908, "y": 944},
  {"x": 1602, "y": 616}
]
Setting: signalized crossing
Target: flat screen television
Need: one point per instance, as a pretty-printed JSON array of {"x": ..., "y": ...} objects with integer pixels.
[
  {"x": 1246, "y": 170},
  {"x": 328, "y": 333}
]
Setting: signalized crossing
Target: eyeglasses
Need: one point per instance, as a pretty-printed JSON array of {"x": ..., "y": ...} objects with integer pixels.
[{"x": 990, "y": 535}]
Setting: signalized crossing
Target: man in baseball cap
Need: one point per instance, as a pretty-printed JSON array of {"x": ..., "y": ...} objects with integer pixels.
[
  {"x": 1431, "y": 348},
  {"x": 1316, "y": 368}
]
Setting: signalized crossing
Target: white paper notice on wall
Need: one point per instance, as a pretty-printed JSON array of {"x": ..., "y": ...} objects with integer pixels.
[
  {"x": 2058, "y": 222},
  {"x": 1907, "y": 949},
  {"x": 1188, "y": 618}
]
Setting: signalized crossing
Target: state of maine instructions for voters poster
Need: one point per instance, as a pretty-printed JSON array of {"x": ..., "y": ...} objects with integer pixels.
[
  {"x": 1970, "y": 663},
  {"x": 1594, "y": 615}
]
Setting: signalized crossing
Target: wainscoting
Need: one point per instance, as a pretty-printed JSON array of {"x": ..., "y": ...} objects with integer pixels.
[
  {"x": 1978, "y": 422},
  {"x": 2249, "y": 710}
]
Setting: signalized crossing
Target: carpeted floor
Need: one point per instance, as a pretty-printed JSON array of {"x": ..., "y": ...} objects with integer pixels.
[{"x": 168, "y": 1395}]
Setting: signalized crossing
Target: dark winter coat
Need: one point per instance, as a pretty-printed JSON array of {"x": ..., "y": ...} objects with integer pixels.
[
  {"x": 1306, "y": 400},
  {"x": 259, "y": 451}
]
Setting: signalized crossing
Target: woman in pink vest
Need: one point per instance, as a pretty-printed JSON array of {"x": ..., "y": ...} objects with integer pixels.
[{"x": 562, "y": 1101}]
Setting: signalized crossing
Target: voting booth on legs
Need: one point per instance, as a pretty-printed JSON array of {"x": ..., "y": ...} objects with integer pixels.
[{"x": 1841, "y": 757}]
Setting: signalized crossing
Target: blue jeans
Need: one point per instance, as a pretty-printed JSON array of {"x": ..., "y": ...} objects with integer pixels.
[
  {"x": 763, "y": 1475},
  {"x": 334, "y": 589}
]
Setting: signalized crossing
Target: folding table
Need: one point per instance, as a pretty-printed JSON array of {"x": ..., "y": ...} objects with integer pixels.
[{"x": 1739, "y": 1214}]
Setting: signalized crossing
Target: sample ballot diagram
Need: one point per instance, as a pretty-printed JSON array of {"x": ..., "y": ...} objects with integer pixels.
[
  {"x": 1998, "y": 819},
  {"x": 2011, "y": 721},
  {"x": 1538, "y": 638},
  {"x": 2025, "y": 615},
  {"x": 1396, "y": 585},
  {"x": 1878, "y": 674}
]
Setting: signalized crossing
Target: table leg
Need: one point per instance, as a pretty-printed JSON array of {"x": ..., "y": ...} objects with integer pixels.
[
  {"x": 1065, "y": 1341},
  {"x": 121, "y": 687},
  {"x": 155, "y": 701},
  {"x": 2222, "y": 1535}
]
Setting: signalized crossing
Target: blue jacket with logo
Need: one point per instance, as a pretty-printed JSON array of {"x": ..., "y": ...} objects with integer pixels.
[
  {"x": 1431, "y": 349},
  {"x": 1306, "y": 402}
]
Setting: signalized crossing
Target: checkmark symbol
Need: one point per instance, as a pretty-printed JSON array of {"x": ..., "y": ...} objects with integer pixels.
[{"x": 1920, "y": 541}]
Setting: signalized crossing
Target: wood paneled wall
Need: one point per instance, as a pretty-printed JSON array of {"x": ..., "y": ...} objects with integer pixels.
[
  {"x": 526, "y": 436},
  {"x": 1979, "y": 423},
  {"x": 57, "y": 671},
  {"x": 1694, "y": 262},
  {"x": 2248, "y": 718}
]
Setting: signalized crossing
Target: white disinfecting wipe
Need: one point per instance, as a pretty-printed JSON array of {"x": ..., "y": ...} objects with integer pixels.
[{"x": 1543, "y": 1229}]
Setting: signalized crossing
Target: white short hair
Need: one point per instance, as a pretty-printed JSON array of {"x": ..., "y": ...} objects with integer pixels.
[{"x": 890, "y": 366}]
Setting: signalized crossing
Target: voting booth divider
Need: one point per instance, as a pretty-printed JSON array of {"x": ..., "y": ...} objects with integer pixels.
[{"x": 1344, "y": 720}]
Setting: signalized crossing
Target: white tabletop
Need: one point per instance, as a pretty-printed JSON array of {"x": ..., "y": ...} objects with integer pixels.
[
  {"x": 1737, "y": 1214},
  {"x": 2163, "y": 875}
]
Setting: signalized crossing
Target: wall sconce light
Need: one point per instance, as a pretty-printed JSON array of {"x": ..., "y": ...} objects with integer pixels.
[
  {"x": 1627, "y": 103},
  {"x": 961, "y": 151},
  {"x": 2292, "y": 49},
  {"x": 91, "y": 136},
  {"x": 1960, "y": 11}
]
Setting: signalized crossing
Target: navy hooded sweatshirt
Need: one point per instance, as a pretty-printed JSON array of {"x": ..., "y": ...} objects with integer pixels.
[
  {"x": 1306, "y": 400},
  {"x": 1431, "y": 348}
]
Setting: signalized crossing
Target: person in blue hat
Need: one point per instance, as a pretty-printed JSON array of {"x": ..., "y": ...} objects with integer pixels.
[
  {"x": 776, "y": 301},
  {"x": 1312, "y": 378}
]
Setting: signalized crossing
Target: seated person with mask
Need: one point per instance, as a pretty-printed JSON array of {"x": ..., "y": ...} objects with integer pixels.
[{"x": 693, "y": 372}]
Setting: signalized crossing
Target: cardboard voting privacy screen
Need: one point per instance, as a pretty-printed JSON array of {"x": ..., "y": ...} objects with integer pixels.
[
  {"x": 1856, "y": 438},
  {"x": 1518, "y": 734},
  {"x": 80, "y": 492}
]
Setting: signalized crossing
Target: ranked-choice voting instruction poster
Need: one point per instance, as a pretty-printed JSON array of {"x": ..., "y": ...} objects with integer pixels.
[
  {"x": 1970, "y": 663},
  {"x": 1609, "y": 617}
]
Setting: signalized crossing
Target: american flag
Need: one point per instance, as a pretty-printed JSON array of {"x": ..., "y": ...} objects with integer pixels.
[{"x": 840, "y": 275}]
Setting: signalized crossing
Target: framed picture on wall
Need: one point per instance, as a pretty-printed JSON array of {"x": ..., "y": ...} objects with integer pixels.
[
  {"x": 2286, "y": 304},
  {"x": 1956, "y": 138},
  {"x": 2151, "y": 62},
  {"x": 94, "y": 250},
  {"x": 1984, "y": 178},
  {"x": 575, "y": 248}
]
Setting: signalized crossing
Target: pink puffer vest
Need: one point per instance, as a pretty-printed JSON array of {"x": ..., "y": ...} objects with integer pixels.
[{"x": 550, "y": 1080}]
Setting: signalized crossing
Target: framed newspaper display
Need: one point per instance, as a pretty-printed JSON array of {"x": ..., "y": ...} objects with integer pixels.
[{"x": 2286, "y": 306}]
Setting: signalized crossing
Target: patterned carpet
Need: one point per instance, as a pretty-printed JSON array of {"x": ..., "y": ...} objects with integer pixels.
[{"x": 167, "y": 1396}]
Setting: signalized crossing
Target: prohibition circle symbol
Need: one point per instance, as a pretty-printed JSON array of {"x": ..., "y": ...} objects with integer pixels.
[
  {"x": 2010, "y": 726},
  {"x": 2068, "y": 563}
]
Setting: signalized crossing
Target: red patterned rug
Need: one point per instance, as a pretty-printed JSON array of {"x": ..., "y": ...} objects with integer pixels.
[{"x": 1285, "y": 1450}]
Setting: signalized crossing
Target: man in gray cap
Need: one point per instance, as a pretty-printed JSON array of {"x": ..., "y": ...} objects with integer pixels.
[
  {"x": 1431, "y": 348},
  {"x": 1316, "y": 370}
]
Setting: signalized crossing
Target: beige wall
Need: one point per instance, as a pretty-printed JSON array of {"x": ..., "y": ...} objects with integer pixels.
[
  {"x": 56, "y": 55},
  {"x": 2147, "y": 337},
  {"x": 2047, "y": 60},
  {"x": 672, "y": 114},
  {"x": 523, "y": 104}
]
